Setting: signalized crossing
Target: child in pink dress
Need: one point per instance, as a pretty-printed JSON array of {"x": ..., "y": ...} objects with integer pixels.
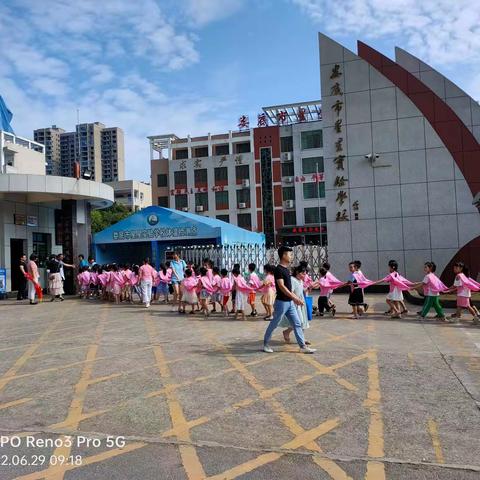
[
  {"x": 225, "y": 290},
  {"x": 268, "y": 290},
  {"x": 206, "y": 291},
  {"x": 83, "y": 279},
  {"x": 116, "y": 281},
  {"x": 189, "y": 289},
  {"x": 255, "y": 283},
  {"x": 464, "y": 285}
]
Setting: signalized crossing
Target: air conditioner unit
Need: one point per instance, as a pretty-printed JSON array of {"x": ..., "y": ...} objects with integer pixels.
[
  {"x": 287, "y": 156},
  {"x": 245, "y": 183},
  {"x": 242, "y": 206},
  {"x": 289, "y": 203},
  {"x": 199, "y": 208},
  {"x": 185, "y": 209},
  {"x": 288, "y": 179}
]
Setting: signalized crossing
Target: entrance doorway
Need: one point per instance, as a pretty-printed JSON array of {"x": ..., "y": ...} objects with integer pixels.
[{"x": 17, "y": 247}]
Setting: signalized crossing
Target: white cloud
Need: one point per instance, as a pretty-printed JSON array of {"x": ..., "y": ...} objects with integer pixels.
[
  {"x": 203, "y": 12},
  {"x": 438, "y": 31},
  {"x": 106, "y": 60}
]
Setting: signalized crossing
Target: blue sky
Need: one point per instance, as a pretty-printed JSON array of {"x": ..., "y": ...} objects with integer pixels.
[{"x": 194, "y": 66}]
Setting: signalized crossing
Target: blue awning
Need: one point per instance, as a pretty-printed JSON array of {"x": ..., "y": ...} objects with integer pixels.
[{"x": 166, "y": 225}]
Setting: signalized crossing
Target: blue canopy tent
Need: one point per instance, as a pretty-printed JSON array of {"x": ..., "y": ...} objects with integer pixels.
[{"x": 154, "y": 230}]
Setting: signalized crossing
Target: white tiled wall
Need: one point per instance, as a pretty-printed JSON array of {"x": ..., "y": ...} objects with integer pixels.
[{"x": 419, "y": 207}]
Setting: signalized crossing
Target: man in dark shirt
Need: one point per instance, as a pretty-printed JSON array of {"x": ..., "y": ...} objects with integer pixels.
[
  {"x": 22, "y": 281},
  {"x": 285, "y": 303}
]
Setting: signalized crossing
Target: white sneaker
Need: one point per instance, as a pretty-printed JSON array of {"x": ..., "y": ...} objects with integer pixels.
[
  {"x": 306, "y": 349},
  {"x": 476, "y": 320},
  {"x": 267, "y": 349},
  {"x": 147, "y": 305}
]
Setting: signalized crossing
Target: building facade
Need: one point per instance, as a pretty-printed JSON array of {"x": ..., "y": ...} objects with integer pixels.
[
  {"x": 267, "y": 179},
  {"x": 50, "y": 137},
  {"x": 42, "y": 214},
  {"x": 99, "y": 150},
  {"x": 133, "y": 194},
  {"x": 402, "y": 170}
]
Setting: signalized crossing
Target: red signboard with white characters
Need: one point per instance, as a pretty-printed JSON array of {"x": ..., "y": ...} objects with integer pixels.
[
  {"x": 218, "y": 188},
  {"x": 316, "y": 177},
  {"x": 321, "y": 229}
]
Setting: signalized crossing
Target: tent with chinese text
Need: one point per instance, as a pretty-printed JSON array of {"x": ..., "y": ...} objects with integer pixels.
[{"x": 153, "y": 231}]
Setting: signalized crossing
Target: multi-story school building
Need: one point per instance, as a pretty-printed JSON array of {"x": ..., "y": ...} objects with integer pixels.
[
  {"x": 266, "y": 179},
  {"x": 386, "y": 165}
]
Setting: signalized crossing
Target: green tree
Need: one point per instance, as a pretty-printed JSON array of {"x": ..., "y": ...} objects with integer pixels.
[{"x": 102, "y": 219}]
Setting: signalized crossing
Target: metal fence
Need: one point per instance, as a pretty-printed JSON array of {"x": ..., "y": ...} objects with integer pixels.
[{"x": 227, "y": 255}]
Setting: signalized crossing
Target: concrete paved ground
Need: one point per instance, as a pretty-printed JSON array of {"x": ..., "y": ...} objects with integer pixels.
[{"x": 131, "y": 393}]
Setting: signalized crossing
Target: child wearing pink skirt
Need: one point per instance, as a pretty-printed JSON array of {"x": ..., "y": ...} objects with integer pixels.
[{"x": 464, "y": 285}]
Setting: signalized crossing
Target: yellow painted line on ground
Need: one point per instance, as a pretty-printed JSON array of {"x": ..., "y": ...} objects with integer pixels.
[
  {"x": 20, "y": 362},
  {"x": 433, "y": 431},
  {"x": 301, "y": 440},
  {"x": 350, "y": 361},
  {"x": 411, "y": 361},
  {"x": 329, "y": 372},
  {"x": 282, "y": 414},
  {"x": 76, "y": 406},
  {"x": 15, "y": 403},
  {"x": 160, "y": 392},
  {"x": 73, "y": 364},
  {"x": 56, "y": 471},
  {"x": 375, "y": 470},
  {"x": 188, "y": 453}
]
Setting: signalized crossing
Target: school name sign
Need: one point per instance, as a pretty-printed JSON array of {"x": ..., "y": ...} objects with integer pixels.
[{"x": 159, "y": 233}]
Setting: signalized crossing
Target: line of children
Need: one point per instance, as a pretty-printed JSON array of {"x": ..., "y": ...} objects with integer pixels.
[{"x": 209, "y": 286}]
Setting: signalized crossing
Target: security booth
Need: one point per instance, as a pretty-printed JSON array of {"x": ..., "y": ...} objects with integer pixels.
[{"x": 155, "y": 231}]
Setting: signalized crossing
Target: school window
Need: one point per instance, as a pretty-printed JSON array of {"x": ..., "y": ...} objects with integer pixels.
[
  {"x": 287, "y": 169},
  {"x": 286, "y": 144},
  {"x": 312, "y": 165},
  {"x": 180, "y": 178},
  {"x": 200, "y": 152},
  {"x": 224, "y": 218},
  {"x": 312, "y": 139},
  {"x": 242, "y": 147},
  {"x": 41, "y": 246},
  {"x": 181, "y": 202},
  {"x": 200, "y": 177},
  {"x": 243, "y": 196},
  {"x": 288, "y": 193},
  {"x": 221, "y": 200},
  {"x": 181, "y": 154},
  {"x": 313, "y": 190},
  {"x": 315, "y": 215},
  {"x": 221, "y": 175},
  {"x": 242, "y": 172},
  {"x": 244, "y": 220},
  {"x": 162, "y": 180},
  {"x": 163, "y": 202},
  {"x": 222, "y": 149},
  {"x": 290, "y": 218},
  {"x": 201, "y": 199}
]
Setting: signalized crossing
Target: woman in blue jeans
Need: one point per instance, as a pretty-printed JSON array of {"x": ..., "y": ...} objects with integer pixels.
[{"x": 285, "y": 303}]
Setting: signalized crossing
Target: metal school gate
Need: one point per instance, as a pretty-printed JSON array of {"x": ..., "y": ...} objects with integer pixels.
[{"x": 227, "y": 255}]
